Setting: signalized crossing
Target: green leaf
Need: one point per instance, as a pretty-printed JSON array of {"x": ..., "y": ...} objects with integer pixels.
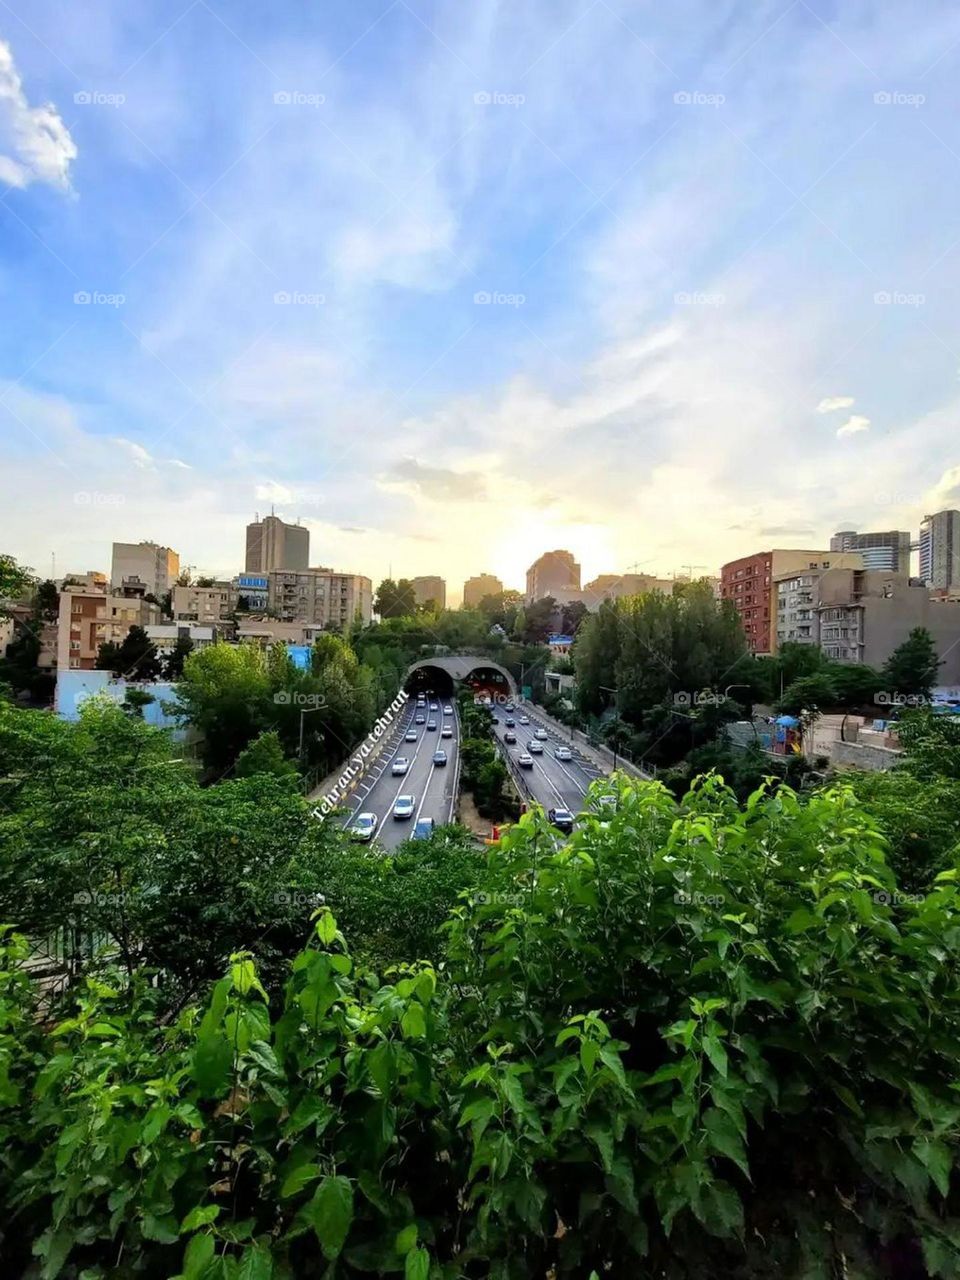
[
  {"x": 162, "y": 1229},
  {"x": 326, "y": 928},
  {"x": 330, "y": 1213},
  {"x": 197, "y": 1255},
  {"x": 724, "y": 1137},
  {"x": 413, "y": 1023},
  {"x": 417, "y": 1266},
  {"x": 715, "y": 1052},
  {"x": 200, "y": 1217},
  {"x": 935, "y": 1158},
  {"x": 299, "y": 1178},
  {"x": 406, "y": 1239},
  {"x": 256, "y": 1264}
]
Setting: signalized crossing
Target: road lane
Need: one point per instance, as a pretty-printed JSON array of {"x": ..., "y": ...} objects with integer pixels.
[
  {"x": 432, "y": 785},
  {"x": 554, "y": 783}
]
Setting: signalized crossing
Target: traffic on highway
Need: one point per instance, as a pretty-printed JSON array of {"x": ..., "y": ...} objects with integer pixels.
[
  {"x": 412, "y": 786},
  {"x": 552, "y": 771}
]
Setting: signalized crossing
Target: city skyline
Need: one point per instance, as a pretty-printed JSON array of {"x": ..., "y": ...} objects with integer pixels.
[{"x": 679, "y": 314}]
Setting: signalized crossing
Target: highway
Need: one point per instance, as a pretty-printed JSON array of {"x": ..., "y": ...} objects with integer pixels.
[
  {"x": 554, "y": 783},
  {"x": 431, "y": 785}
]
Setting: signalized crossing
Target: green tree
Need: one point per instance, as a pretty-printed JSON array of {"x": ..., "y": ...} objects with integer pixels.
[
  {"x": 912, "y": 667},
  {"x": 395, "y": 599},
  {"x": 15, "y": 582},
  {"x": 264, "y": 755},
  {"x": 181, "y": 651}
]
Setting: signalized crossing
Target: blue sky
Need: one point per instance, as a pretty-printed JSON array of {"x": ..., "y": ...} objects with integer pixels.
[{"x": 720, "y": 242}]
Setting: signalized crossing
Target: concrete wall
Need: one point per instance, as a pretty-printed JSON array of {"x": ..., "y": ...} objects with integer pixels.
[
  {"x": 74, "y": 688},
  {"x": 858, "y": 756}
]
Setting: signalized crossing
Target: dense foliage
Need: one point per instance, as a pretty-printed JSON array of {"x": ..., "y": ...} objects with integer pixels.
[{"x": 697, "y": 1039}]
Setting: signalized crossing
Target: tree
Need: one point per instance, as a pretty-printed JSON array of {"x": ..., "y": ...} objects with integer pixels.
[
  {"x": 47, "y": 601},
  {"x": 808, "y": 693},
  {"x": 15, "y": 581},
  {"x": 395, "y": 599},
  {"x": 135, "y": 658},
  {"x": 135, "y": 700},
  {"x": 571, "y": 616},
  {"x": 264, "y": 755},
  {"x": 911, "y": 669},
  {"x": 538, "y": 620},
  {"x": 173, "y": 667}
]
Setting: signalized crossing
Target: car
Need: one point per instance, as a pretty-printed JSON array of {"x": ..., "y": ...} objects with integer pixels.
[
  {"x": 410, "y": 735},
  {"x": 448, "y": 711},
  {"x": 524, "y": 719},
  {"x": 534, "y": 747},
  {"x": 494, "y": 720},
  {"x": 404, "y": 806},
  {"x": 431, "y": 724},
  {"x": 440, "y": 757},
  {"x": 400, "y": 766},
  {"x": 510, "y": 707},
  {"x": 446, "y": 732},
  {"x": 510, "y": 737},
  {"x": 364, "y": 827},
  {"x": 525, "y": 761},
  {"x": 421, "y": 720},
  {"x": 563, "y": 753},
  {"x": 510, "y": 722},
  {"x": 433, "y": 706},
  {"x": 423, "y": 829},
  {"x": 562, "y": 819},
  {"x": 541, "y": 734}
]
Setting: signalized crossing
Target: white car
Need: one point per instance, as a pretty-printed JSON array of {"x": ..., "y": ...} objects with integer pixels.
[
  {"x": 448, "y": 711},
  {"x": 404, "y": 806},
  {"x": 364, "y": 827},
  {"x": 421, "y": 720},
  {"x": 410, "y": 736},
  {"x": 433, "y": 706},
  {"x": 541, "y": 734},
  {"x": 400, "y": 766},
  {"x": 563, "y": 753},
  {"x": 431, "y": 723},
  {"x": 525, "y": 761},
  {"x": 524, "y": 719},
  {"x": 446, "y": 732},
  {"x": 535, "y": 748}
]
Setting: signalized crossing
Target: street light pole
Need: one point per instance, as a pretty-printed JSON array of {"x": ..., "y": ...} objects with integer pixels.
[{"x": 304, "y": 712}]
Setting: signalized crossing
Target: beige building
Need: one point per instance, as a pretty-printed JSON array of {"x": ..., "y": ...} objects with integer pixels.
[
  {"x": 614, "y": 586},
  {"x": 556, "y": 574},
  {"x": 320, "y": 597},
  {"x": 203, "y": 604},
  {"x": 474, "y": 589},
  {"x": 93, "y": 580},
  {"x": 145, "y": 562},
  {"x": 274, "y": 544},
  {"x": 89, "y": 619},
  {"x": 750, "y": 583},
  {"x": 267, "y": 631},
  {"x": 861, "y": 616},
  {"x": 166, "y": 634},
  {"x": 430, "y": 588}
]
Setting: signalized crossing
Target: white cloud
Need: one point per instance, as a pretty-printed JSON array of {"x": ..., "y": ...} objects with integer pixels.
[
  {"x": 35, "y": 144},
  {"x": 829, "y": 403},
  {"x": 854, "y": 424},
  {"x": 141, "y": 457}
]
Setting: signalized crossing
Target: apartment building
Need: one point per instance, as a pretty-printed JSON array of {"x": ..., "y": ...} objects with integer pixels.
[
  {"x": 166, "y": 634},
  {"x": 252, "y": 590},
  {"x": 208, "y": 605},
  {"x": 940, "y": 550},
  {"x": 483, "y": 584},
  {"x": 89, "y": 618},
  {"x": 274, "y": 544},
  {"x": 749, "y": 583},
  {"x": 615, "y": 586},
  {"x": 320, "y": 597},
  {"x": 156, "y": 567},
  {"x": 430, "y": 588},
  {"x": 888, "y": 550},
  {"x": 556, "y": 574}
]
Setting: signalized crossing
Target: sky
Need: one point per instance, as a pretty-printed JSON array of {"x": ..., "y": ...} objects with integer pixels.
[{"x": 455, "y": 284}]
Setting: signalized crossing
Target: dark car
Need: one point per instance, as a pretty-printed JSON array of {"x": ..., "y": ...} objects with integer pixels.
[
  {"x": 562, "y": 819},
  {"x": 510, "y": 737},
  {"x": 439, "y": 757},
  {"x": 424, "y": 829},
  {"x": 510, "y": 722}
]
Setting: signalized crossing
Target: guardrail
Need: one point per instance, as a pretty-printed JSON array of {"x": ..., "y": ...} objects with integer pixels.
[{"x": 455, "y": 798}]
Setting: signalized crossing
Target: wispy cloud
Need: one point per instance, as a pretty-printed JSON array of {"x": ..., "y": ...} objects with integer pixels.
[
  {"x": 35, "y": 144},
  {"x": 829, "y": 403},
  {"x": 853, "y": 426}
]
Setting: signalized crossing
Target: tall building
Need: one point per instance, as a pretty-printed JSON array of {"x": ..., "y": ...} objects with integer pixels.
[
  {"x": 556, "y": 574},
  {"x": 474, "y": 589},
  {"x": 430, "y": 588},
  {"x": 203, "y": 604},
  {"x": 940, "y": 550},
  {"x": 274, "y": 544},
  {"x": 614, "y": 586},
  {"x": 155, "y": 567},
  {"x": 89, "y": 618},
  {"x": 748, "y": 582},
  {"x": 320, "y": 597},
  {"x": 887, "y": 551}
]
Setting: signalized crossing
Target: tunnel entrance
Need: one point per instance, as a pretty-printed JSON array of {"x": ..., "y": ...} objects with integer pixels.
[
  {"x": 429, "y": 680},
  {"x": 490, "y": 683}
]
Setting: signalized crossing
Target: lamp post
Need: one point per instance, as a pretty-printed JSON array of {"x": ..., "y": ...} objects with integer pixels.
[{"x": 304, "y": 712}]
